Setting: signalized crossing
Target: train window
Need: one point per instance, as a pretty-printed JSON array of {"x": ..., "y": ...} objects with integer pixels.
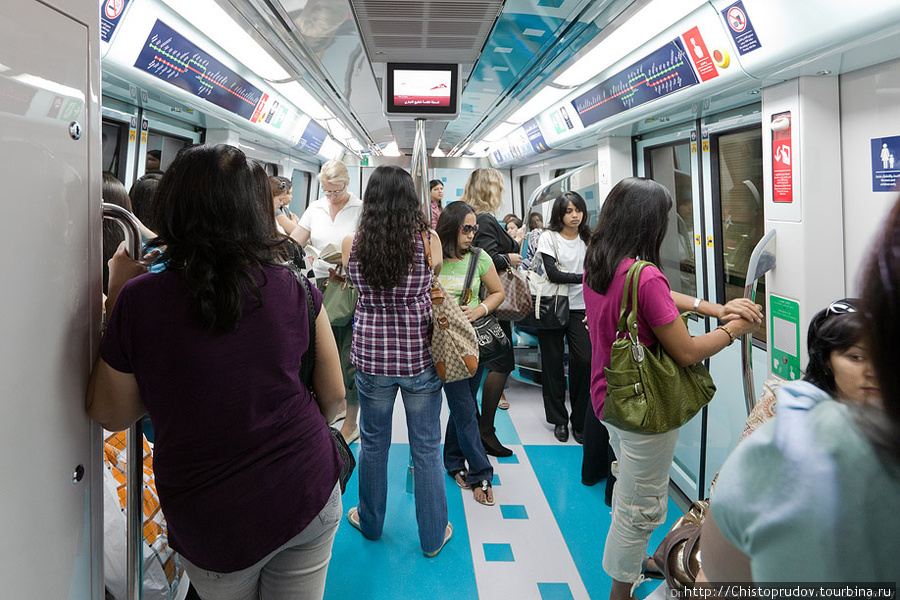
[
  {"x": 527, "y": 185},
  {"x": 300, "y": 189},
  {"x": 166, "y": 147},
  {"x": 582, "y": 180},
  {"x": 739, "y": 173},
  {"x": 115, "y": 148},
  {"x": 671, "y": 166}
]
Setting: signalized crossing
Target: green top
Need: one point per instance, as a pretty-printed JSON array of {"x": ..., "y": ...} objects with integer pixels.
[{"x": 453, "y": 275}]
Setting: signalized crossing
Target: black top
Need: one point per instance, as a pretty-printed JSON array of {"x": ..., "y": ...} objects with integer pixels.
[{"x": 493, "y": 238}]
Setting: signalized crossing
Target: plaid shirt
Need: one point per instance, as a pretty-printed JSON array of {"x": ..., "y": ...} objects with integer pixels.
[{"x": 392, "y": 328}]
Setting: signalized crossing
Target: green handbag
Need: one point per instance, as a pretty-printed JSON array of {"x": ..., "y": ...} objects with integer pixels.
[
  {"x": 339, "y": 297},
  {"x": 646, "y": 390}
]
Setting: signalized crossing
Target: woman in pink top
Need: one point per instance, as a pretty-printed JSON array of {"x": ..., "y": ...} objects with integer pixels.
[{"x": 632, "y": 224}]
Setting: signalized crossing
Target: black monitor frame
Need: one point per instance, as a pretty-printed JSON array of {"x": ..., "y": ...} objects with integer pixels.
[{"x": 427, "y": 112}]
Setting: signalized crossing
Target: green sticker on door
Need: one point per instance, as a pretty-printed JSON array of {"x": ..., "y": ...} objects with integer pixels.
[{"x": 784, "y": 323}]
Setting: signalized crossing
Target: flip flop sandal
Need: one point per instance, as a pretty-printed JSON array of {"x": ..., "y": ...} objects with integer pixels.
[
  {"x": 460, "y": 478},
  {"x": 484, "y": 488},
  {"x": 503, "y": 405}
]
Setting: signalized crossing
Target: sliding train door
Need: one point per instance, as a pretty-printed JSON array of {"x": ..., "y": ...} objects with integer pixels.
[
  {"x": 670, "y": 158},
  {"x": 713, "y": 169}
]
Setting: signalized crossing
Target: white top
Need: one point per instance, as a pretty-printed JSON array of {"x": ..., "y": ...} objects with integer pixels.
[
  {"x": 316, "y": 219},
  {"x": 570, "y": 258}
]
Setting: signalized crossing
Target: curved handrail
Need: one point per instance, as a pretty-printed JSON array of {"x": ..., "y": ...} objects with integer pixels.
[
  {"x": 762, "y": 260},
  {"x": 134, "y": 481},
  {"x": 541, "y": 188}
]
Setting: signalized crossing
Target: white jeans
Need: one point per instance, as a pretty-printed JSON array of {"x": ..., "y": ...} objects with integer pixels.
[
  {"x": 295, "y": 570},
  {"x": 640, "y": 498}
]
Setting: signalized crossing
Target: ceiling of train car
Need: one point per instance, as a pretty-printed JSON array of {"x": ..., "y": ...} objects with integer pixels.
[{"x": 508, "y": 50}]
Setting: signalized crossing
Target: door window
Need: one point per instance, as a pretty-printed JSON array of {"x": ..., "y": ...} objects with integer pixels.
[
  {"x": 739, "y": 172},
  {"x": 671, "y": 166}
]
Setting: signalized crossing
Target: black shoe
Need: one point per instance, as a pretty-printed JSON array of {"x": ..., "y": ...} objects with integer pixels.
[
  {"x": 561, "y": 432},
  {"x": 578, "y": 435},
  {"x": 493, "y": 446}
]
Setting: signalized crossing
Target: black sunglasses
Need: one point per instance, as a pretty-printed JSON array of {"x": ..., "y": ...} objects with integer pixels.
[{"x": 467, "y": 229}]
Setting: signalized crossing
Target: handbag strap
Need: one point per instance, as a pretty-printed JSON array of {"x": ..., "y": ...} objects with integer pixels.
[
  {"x": 466, "y": 294},
  {"x": 308, "y": 360},
  {"x": 628, "y": 318}
]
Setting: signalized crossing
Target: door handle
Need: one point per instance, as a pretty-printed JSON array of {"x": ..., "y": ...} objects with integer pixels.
[{"x": 762, "y": 260}]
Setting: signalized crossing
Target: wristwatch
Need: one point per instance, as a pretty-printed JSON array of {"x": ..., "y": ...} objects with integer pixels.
[{"x": 697, "y": 302}]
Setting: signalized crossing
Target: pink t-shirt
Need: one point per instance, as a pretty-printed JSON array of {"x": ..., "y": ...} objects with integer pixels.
[{"x": 655, "y": 308}]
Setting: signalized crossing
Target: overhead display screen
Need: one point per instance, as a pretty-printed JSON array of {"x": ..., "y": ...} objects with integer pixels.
[
  {"x": 169, "y": 56},
  {"x": 430, "y": 89},
  {"x": 659, "y": 74}
]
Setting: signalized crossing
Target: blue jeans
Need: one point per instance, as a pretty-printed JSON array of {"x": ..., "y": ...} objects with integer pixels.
[
  {"x": 462, "y": 441},
  {"x": 422, "y": 400}
]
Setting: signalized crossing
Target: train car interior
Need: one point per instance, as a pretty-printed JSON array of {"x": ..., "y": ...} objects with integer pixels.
[{"x": 772, "y": 124}]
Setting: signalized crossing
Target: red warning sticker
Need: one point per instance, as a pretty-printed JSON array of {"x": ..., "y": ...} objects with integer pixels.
[{"x": 696, "y": 47}]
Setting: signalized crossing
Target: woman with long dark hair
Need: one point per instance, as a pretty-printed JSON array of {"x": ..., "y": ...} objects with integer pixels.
[
  {"x": 812, "y": 494},
  {"x": 386, "y": 260},
  {"x": 484, "y": 193},
  {"x": 462, "y": 443},
  {"x": 245, "y": 466},
  {"x": 562, "y": 249},
  {"x": 632, "y": 225}
]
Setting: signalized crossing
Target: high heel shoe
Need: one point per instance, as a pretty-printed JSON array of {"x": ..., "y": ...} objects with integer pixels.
[{"x": 493, "y": 446}]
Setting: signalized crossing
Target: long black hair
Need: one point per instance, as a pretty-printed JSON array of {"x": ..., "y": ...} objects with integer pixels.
[
  {"x": 881, "y": 304},
  {"x": 632, "y": 222},
  {"x": 389, "y": 226},
  {"x": 448, "y": 225},
  {"x": 830, "y": 331},
  {"x": 558, "y": 211},
  {"x": 215, "y": 224}
]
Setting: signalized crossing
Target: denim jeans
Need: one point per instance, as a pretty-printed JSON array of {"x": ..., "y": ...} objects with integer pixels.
[
  {"x": 422, "y": 401},
  {"x": 640, "y": 498},
  {"x": 462, "y": 442},
  {"x": 295, "y": 570}
]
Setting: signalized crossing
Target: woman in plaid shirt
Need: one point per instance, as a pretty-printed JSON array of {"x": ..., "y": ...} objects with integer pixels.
[{"x": 392, "y": 333}]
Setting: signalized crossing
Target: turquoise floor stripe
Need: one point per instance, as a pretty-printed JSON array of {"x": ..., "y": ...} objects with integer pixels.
[
  {"x": 394, "y": 567},
  {"x": 582, "y": 515}
]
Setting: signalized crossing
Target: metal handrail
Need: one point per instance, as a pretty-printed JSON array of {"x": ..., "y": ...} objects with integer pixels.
[
  {"x": 134, "y": 482},
  {"x": 762, "y": 260},
  {"x": 419, "y": 169}
]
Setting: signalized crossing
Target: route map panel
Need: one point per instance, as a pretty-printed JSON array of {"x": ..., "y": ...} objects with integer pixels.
[
  {"x": 659, "y": 74},
  {"x": 169, "y": 56}
]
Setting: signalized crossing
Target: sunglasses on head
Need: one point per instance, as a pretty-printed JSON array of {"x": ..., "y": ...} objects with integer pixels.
[
  {"x": 467, "y": 229},
  {"x": 839, "y": 307}
]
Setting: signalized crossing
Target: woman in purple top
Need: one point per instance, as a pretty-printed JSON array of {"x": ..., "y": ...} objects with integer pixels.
[
  {"x": 632, "y": 224},
  {"x": 245, "y": 466},
  {"x": 386, "y": 261}
]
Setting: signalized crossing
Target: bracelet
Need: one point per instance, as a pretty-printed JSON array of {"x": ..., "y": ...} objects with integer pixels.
[
  {"x": 486, "y": 309},
  {"x": 731, "y": 337},
  {"x": 697, "y": 302}
]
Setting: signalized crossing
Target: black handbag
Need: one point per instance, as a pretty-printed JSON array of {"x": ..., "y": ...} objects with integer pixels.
[
  {"x": 307, "y": 363},
  {"x": 492, "y": 340}
]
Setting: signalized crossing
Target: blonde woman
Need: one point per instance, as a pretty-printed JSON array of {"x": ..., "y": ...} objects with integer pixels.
[
  {"x": 484, "y": 193},
  {"x": 329, "y": 220}
]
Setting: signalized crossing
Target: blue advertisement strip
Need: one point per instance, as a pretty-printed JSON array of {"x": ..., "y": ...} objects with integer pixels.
[
  {"x": 741, "y": 29},
  {"x": 535, "y": 136},
  {"x": 170, "y": 57},
  {"x": 885, "y": 163},
  {"x": 312, "y": 138},
  {"x": 111, "y": 12},
  {"x": 659, "y": 74}
]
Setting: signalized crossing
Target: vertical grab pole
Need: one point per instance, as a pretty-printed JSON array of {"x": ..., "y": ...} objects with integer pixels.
[
  {"x": 134, "y": 482},
  {"x": 419, "y": 169},
  {"x": 762, "y": 260}
]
